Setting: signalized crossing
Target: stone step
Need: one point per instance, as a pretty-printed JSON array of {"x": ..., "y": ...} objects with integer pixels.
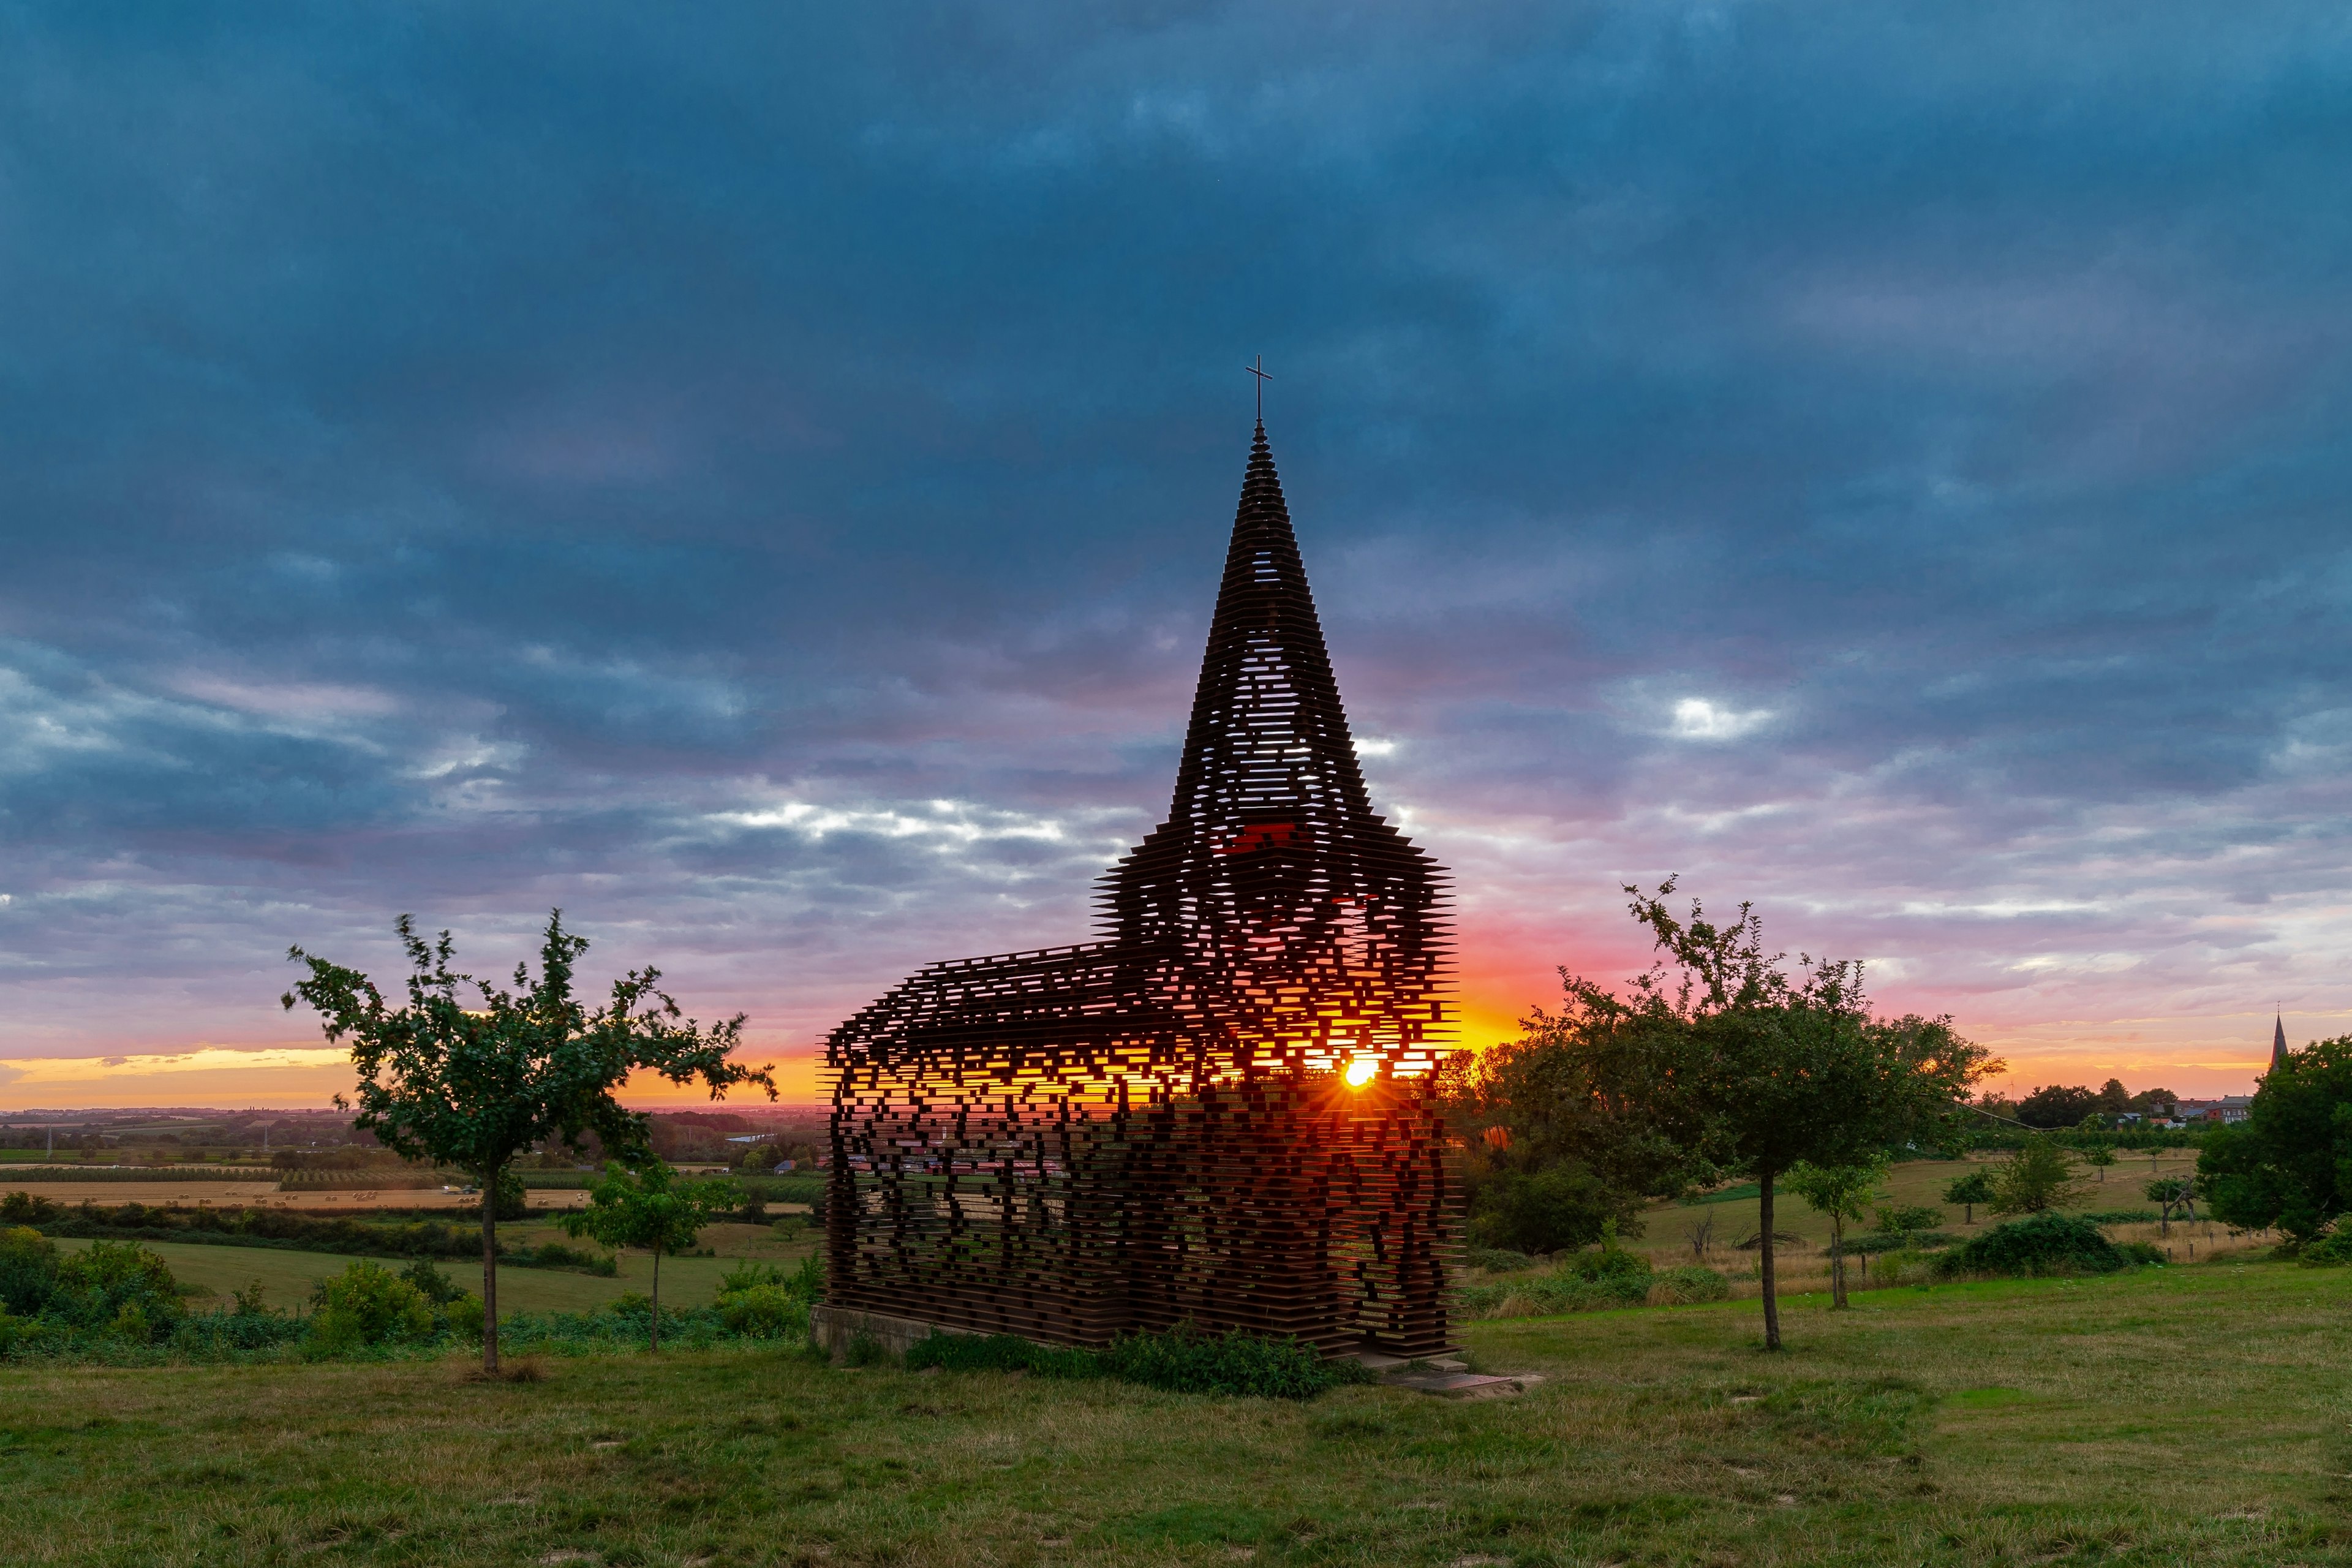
[{"x": 1463, "y": 1385}]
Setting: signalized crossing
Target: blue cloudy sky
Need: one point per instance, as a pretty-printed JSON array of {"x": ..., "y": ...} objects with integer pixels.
[{"x": 756, "y": 476}]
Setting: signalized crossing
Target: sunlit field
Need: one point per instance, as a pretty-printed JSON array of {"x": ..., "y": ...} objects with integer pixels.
[{"x": 2193, "y": 1414}]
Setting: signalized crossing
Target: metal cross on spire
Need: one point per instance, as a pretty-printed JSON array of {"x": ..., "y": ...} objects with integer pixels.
[{"x": 1262, "y": 379}]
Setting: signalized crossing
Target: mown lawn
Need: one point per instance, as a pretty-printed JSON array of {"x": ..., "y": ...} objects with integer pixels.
[{"x": 2186, "y": 1415}]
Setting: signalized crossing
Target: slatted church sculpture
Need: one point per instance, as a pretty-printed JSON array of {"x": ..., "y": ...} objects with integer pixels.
[{"x": 1221, "y": 1111}]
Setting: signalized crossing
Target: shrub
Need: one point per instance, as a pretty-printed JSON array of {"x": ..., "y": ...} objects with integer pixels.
[
  {"x": 1496, "y": 1260},
  {"x": 24, "y": 1208},
  {"x": 1677, "y": 1286},
  {"x": 1185, "y": 1361},
  {"x": 748, "y": 1275},
  {"x": 1001, "y": 1353},
  {"x": 2044, "y": 1243},
  {"x": 1908, "y": 1220},
  {"x": 1544, "y": 1211},
  {"x": 555, "y": 1254},
  {"x": 461, "y": 1318},
  {"x": 118, "y": 1285},
  {"x": 2121, "y": 1216},
  {"x": 764, "y": 1312},
  {"x": 2329, "y": 1251},
  {"x": 431, "y": 1283},
  {"x": 1606, "y": 1264},
  {"x": 367, "y": 1304},
  {"x": 28, "y": 1270}
]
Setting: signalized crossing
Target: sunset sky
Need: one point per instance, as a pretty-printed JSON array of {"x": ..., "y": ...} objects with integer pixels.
[{"x": 756, "y": 477}]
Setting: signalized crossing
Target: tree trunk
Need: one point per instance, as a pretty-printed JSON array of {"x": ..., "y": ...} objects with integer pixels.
[
  {"x": 490, "y": 1272},
  {"x": 1764, "y": 1269},
  {"x": 1968, "y": 1213},
  {"x": 657, "y": 1252},
  {"x": 1837, "y": 1261}
]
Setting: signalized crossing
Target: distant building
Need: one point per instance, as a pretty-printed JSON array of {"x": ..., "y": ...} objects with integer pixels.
[
  {"x": 2278, "y": 1043},
  {"x": 2229, "y": 1107}
]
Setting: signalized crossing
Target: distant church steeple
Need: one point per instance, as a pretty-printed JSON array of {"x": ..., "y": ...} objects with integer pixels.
[{"x": 2278, "y": 1043}]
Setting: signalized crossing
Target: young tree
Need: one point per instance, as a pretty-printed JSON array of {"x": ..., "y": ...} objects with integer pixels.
[
  {"x": 2168, "y": 1194},
  {"x": 475, "y": 1086},
  {"x": 1748, "y": 1070},
  {"x": 1969, "y": 1191},
  {"x": 1843, "y": 1192},
  {"x": 2099, "y": 1156},
  {"x": 650, "y": 1209},
  {"x": 2040, "y": 1177}
]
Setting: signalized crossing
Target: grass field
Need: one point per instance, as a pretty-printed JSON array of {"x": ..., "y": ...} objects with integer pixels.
[
  {"x": 1668, "y": 1229},
  {"x": 2191, "y": 1416},
  {"x": 286, "y": 1276}
]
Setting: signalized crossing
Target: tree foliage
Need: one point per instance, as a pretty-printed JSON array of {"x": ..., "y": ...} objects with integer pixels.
[
  {"x": 2039, "y": 1177},
  {"x": 2289, "y": 1163},
  {"x": 471, "y": 1075},
  {"x": 1719, "y": 1061}
]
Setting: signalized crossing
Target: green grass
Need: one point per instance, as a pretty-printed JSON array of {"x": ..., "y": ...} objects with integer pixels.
[{"x": 2174, "y": 1416}]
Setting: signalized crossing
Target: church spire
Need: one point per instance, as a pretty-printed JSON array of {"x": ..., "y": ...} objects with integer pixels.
[
  {"x": 2278, "y": 1043},
  {"x": 1320, "y": 929},
  {"x": 1267, "y": 730}
]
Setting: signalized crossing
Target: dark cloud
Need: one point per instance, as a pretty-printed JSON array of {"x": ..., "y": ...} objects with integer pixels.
[{"x": 759, "y": 480}]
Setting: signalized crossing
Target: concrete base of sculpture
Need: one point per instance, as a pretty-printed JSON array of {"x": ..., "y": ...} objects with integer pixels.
[{"x": 836, "y": 1329}]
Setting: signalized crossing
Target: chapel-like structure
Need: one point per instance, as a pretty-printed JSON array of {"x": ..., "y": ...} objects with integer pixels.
[{"x": 1218, "y": 1112}]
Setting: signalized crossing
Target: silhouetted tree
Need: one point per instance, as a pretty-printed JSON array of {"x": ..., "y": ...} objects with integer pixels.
[{"x": 2289, "y": 1163}]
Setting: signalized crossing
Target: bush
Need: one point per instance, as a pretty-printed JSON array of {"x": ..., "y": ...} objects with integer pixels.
[
  {"x": 2330, "y": 1251},
  {"x": 764, "y": 1312},
  {"x": 1185, "y": 1361},
  {"x": 1912, "y": 1241},
  {"x": 2043, "y": 1243},
  {"x": 1001, "y": 1353},
  {"x": 367, "y": 1304},
  {"x": 24, "y": 1208},
  {"x": 461, "y": 1318},
  {"x": 1545, "y": 1211},
  {"x": 431, "y": 1283},
  {"x": 1496, "y": 1260},
  {"x": 1908, "y": 1220},
  {"x": 118, "y": 1285},
  {"x": 2121, "y": 1216},
  {"x": 28, "y": 1270},
  {"x": 555, "y": 1254},
  {"x": 1689, "y": 1283}
]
